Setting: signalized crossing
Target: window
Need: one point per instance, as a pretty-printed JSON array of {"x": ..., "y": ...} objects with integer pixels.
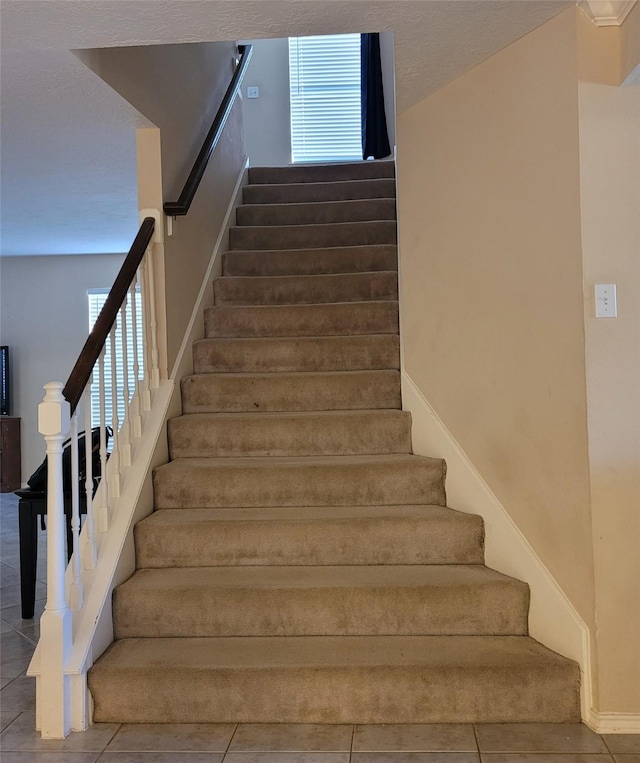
[
  {"x": 324, "y": 81},
  {"x": 97, "y": 299}
]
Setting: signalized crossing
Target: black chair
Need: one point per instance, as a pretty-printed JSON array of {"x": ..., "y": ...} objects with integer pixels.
[{"x": 33, "y": 504}]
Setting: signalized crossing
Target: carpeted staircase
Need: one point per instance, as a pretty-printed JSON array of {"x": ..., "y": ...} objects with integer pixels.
[{"x": 301, "y": 565}]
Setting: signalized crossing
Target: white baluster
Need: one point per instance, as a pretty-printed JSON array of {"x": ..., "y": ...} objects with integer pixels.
[
  {"x": 153, "y": 322},
  {"x": 102, "y": 510},
  {"x": 114, "y": 482},
  {"x": 136, "y": 418},
  {"x": 54, "y": 706},
  {"x": 144, "y": 293},
  {"x": 76, "y": 594},
  {"x": 125, "y": 432},
  {"x": 89, "y": 552}
]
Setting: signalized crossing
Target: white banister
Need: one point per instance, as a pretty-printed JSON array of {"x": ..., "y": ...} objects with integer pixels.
[
  {"x": 114, "y": 482},
  {"x": 102, "y": 513},
  {"x": 73, "y": 623},
  {"x": 54, "y": 702},
  {"x": 76, "y": 583},
  {"x": 89, "y": 552},
  {"x": 136, "y": 418},
  {"x": 146, "y": 312},
  {"x": 125, "y": 429},
  {"x": 154, "y": 367}
]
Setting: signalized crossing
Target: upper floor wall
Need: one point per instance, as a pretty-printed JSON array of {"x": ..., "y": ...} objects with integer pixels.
[{"x": 267, "y": 119}]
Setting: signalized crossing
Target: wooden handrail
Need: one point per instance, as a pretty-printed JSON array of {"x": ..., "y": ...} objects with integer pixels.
[
  {"x": 90, "y": 353},
  {"x": 181, "y": 206}
]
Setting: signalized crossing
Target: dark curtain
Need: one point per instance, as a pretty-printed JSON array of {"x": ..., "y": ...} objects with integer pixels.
[{"x": 375, "y": 140}]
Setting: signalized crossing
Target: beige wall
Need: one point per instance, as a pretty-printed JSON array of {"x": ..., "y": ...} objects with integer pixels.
[
  {"x": 492, "y": 285},
  {"x": 491, "y": 269},
  {"x": 599, "y": 52},
  {"x": 610, "y": 196},
  {"x": 44, "y": 318},
  {"x": 267, "y": 119},
  {"x": 518, "y": 183},
  {"x": 630, "y": 52},
  {"x": 179, "y": 88}
]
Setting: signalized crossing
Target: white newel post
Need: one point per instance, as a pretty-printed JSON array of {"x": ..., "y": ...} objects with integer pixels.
[{"x": 54, "y": 706}]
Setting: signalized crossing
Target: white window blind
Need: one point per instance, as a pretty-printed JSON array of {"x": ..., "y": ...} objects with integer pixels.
[
  {"x": 97, "y": 299},
  {"x": 324, "y": 81}
]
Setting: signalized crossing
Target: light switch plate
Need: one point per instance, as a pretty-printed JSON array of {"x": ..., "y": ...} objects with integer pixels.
[
  {"x": 606, "y": 300},
  {"x": 253, "y": 91}
]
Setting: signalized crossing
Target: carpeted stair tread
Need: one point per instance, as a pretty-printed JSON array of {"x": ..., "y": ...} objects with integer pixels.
[
  {"x": 335, "y": 679},
  {"x": 281, "y": 193},
  {"x": 337, "y": 319},
  {"x": 314, "y": 261},
  {"x": 301, "y": 565},
  {"x": 316, "y": 212},
  {"x": 303, "y": 481},
  {"x": 285, "y": 354},
  {"x": 303, "y": 535},
  {"x": 313, "y": 235},
  {"x": 320, "y": 601},
  {"x": 312, "y": 289},
  {"x": 319, "y": 173},
  {"x": 331, "y": 390},
  {"x": 289, "y": 434}
]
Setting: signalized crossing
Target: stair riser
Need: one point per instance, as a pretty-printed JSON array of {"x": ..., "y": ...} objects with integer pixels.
[
  {"x": 304, "y": 568},
  {"x": 338, "y": 484},
  {"x": 384, "y": 694},
  {"x": 302, "y": 320},
  {"x": 304, "y": 192},
  {"x": 356, "y": 259},
  {"x": 289, "y": 436},
  {"x": 319, "y": 173},
  {"x": 310, "y": 236},
  {"x": 297, "y": 392},
  {"x": 300, "y": 354},
  {"x": 352, "y": 287},
  {"x": 393, "y": 540},
  {"x": 495, "y": 609},
  {"x": 316, "y": 213}
]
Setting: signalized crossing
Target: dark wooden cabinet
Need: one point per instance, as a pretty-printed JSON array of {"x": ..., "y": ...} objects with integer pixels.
[{"x": 10, "y": 462}]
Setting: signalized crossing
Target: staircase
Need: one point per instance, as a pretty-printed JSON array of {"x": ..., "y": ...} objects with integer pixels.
[{"x": 301, "y": 565}]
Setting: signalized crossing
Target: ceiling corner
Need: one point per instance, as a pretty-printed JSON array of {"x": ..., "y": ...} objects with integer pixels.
[{"x": 607, "y": 12}]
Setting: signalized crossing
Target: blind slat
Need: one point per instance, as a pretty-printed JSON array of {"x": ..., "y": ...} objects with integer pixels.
[
  {"x": 324, "y": 75},
  {"x": 96, "y": 301}
]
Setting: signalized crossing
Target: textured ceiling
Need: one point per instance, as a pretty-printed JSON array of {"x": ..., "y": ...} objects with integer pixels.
[
  {"x": 68, "y": 164},
  {"x": 68, "y": 180}
]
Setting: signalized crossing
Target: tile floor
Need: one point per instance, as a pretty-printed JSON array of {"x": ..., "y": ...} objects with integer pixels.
[{"x": 257, "y": 743}]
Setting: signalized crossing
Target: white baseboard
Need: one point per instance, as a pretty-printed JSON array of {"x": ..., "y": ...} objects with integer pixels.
[
  {"x": 614, "y": 723},
  {"x": 553, "y": 620}
]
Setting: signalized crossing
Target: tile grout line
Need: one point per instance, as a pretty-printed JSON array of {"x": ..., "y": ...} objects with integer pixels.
[
  {"x": 6, "y": 686},
  {"x": 475, "y": 736},
  {"x": 20, "y": 633},
  {"x": 609, "y": 750},
  {"x": 231, "y": 738},
  {"x": 13, "y": 721}
]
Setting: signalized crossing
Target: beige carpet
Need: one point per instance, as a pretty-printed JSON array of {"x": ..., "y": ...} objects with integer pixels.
[{"x": 301, "y": 565}]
